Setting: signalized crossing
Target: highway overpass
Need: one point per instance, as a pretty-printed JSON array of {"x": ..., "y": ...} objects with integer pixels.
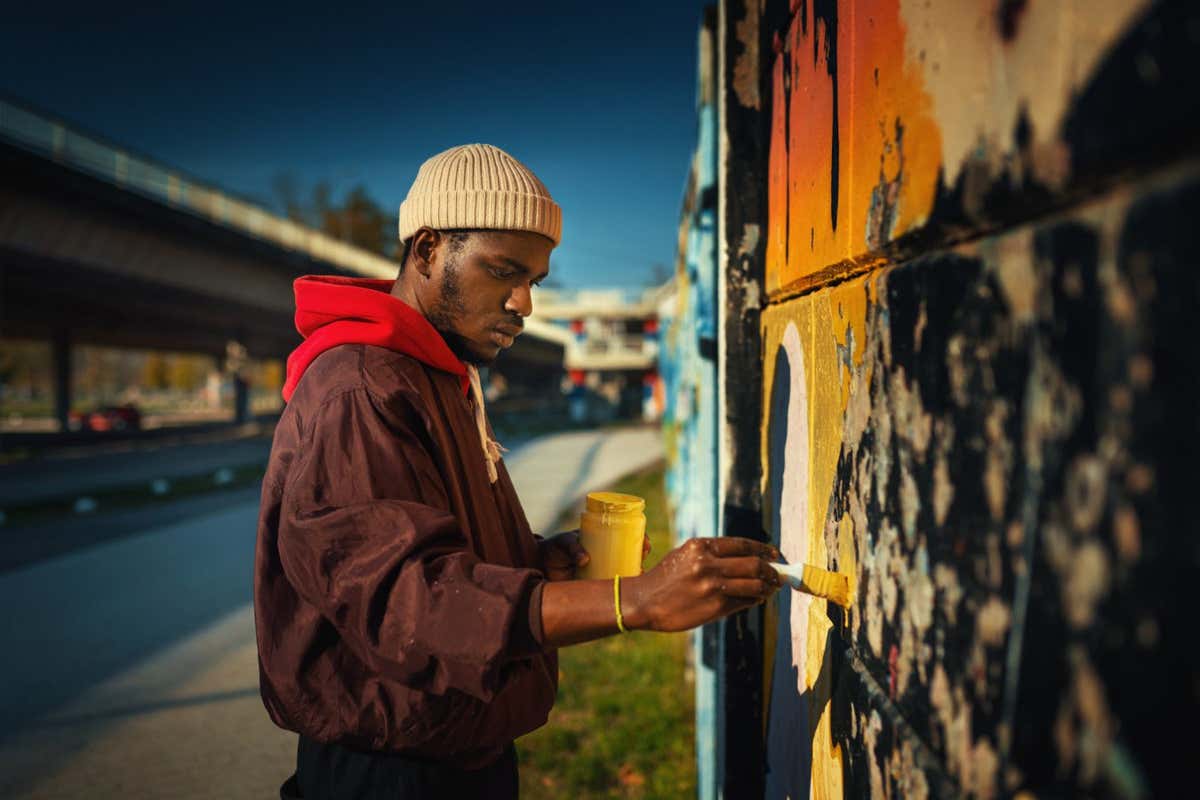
[{"x": 101, "y": 246}]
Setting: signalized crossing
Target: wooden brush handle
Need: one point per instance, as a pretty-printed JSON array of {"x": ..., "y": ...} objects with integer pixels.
[{"x": 833, "y": 586}]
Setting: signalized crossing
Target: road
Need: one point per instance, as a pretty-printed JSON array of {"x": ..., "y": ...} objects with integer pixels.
[
  {"x": 131, "y": 667},
  {"x": 43, "y": 479}
]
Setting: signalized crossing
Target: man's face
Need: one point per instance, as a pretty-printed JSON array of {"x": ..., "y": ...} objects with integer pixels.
[{"x": 485, "y": 283}]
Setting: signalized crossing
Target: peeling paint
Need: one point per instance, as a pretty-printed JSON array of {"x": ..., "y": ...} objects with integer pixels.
[
  {"x": 1086, "y": 583},
  {"x": 993, "y": 622},
  {"x": 1053, "y": 407},
  {"x": 1127, "y": 534},
  {"x": 999, "y": 460},
  {"x": 1086, "y": 490},
  {"x": 943, "y": 490},
  {"x": 984, "y": 765},
  {"x": 977, "y": 86},
  {"x": 745, "y": 68},
  {"x": 976, "y": 432}
]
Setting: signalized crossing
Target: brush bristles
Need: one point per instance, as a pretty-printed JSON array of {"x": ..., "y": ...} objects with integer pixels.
[{"x": 830, "y": 585}]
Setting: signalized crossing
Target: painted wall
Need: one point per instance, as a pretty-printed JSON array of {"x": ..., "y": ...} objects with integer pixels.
[
  {"x": 986, "y": 439},
  {"x": 975, "y": 393},
  {"x": 689, "y": 372}
]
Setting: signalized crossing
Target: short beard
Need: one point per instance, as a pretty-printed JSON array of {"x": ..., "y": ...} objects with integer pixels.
[{"x": 448, "y": 309}]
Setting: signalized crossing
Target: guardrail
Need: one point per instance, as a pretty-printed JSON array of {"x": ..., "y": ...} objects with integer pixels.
[{"x": 57, "y": 142}]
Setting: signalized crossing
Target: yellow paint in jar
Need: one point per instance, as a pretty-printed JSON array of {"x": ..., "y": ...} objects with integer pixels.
[{"x": 612, "y": 530}]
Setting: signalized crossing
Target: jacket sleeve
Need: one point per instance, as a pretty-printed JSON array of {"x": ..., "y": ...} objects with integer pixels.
[{"x": 366, "y": 538}]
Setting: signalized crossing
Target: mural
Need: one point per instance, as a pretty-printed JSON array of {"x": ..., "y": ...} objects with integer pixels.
[
  {"x": 892, "y": 118},
  {"x": 975, "y": 387},
  {"x": 689, "y": 373},
  {"x": 980, "y": 437}
]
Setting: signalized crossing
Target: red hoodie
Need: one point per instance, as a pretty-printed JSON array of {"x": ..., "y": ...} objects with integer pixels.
[{"x": 332, "y": 310}]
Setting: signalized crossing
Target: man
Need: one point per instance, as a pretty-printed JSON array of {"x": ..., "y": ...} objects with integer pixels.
[{"x": 407, "y": 618}]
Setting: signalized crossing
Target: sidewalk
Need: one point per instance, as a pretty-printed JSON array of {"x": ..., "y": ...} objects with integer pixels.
[
  {"x": 554, "y": 472},
  {"x": 133, "y": 671}
]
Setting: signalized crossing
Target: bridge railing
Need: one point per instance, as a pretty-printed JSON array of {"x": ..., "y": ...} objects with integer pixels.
[{"x": 56, "y": 141}]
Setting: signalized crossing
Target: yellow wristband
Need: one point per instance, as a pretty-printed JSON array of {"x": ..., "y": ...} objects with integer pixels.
[{"x": 617, "y": 603}]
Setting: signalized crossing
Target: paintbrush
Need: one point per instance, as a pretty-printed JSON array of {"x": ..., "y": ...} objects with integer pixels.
[{"x": 818, "y": 582}]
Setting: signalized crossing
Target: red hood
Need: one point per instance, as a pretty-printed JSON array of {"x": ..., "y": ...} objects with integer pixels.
[{"x": 331, "y": 310}]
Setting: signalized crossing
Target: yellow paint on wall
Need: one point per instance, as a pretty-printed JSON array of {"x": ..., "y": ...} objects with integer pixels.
[
  {"x": 826, "y": 778},
  {"x": 826, "y": 320},
  {"x": 832, "y": 327},
  {"x": 825, "y": 413},
  {"x": 850, "y": 303},
  {"x": 819, "y": 626}
]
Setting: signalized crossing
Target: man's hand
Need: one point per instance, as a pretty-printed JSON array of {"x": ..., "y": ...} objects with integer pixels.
[
  {"x": 563, "y": 555},
  {"x": 701, "y": 581},
  {"x": 698, "y": 582}
]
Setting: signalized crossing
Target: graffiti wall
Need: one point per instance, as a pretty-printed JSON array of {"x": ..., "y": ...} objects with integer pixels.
[
  {"x": 975, "y": 293},
  {"x": 688, "y": 367},
  {"x": 981, "y": 438}
]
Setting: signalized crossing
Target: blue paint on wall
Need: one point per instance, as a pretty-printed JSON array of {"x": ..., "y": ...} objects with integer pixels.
[{"x": 689, "y": 371}]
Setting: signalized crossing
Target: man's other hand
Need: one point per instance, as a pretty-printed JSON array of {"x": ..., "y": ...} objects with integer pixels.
[{"x": 563, "y": 555}]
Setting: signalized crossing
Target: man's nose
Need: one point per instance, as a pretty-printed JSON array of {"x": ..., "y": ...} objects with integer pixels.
[{"x": 520, "y": 301}]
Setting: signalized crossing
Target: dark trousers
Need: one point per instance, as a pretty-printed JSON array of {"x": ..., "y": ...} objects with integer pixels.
[{"x": 334, "y": 772}]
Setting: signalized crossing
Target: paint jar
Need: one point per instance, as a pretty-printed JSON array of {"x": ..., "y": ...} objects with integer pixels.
[{"x": 612, "y": 530}]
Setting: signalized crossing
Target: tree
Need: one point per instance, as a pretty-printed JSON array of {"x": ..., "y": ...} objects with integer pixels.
[
  {"x": 357, "y": 220},
  {"x": 287, "y": 192}
]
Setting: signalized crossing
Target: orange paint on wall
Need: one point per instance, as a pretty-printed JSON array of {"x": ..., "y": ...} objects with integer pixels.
[
  {"x": 777, "y": 192},
  {"x": 841, "y": 191},
  {"x": 811, "y": 129}
]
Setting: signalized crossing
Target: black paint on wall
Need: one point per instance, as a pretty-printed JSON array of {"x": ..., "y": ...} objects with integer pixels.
[
  {"x": 744, "y": 31},
  {"x": 1055, "y": 374}
]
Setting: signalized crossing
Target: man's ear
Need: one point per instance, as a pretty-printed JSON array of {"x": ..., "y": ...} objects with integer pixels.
[{"x": 425, "y": 243}]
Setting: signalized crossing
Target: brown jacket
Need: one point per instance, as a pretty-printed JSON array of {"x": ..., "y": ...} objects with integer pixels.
[{"x": 397, "y": 591}]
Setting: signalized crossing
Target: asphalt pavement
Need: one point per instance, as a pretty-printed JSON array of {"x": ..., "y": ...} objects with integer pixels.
[
  {"x": 42, "y": 479},
  {"x": 131, "y": 668}
]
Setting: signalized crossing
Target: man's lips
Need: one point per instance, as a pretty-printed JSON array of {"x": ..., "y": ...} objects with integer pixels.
[{"x": 505, "y": 335}]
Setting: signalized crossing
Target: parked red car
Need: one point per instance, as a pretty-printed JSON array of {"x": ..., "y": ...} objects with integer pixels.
[{"x": 107, "y": 418}]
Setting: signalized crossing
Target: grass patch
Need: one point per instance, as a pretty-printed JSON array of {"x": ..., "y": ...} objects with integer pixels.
[{"x": 624, "y": 723}]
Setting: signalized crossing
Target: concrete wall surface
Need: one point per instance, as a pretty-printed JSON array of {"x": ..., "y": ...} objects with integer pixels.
[{"x": 959, "y": 235}]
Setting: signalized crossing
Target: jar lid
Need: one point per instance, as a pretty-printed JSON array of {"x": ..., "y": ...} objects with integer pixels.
[{"x": 614, "y": 503}]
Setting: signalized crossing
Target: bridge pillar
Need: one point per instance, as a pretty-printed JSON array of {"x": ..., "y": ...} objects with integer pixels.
[
  {"x": 61, "y": 342},
  {"x": 235, "y": 363},
  {"x": 241, "y": 399}
]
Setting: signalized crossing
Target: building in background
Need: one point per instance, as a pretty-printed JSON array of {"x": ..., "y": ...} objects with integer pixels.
[{"x": 611, "y": 357}]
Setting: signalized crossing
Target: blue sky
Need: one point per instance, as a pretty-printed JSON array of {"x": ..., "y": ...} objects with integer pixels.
[{"x": 597, "y": 98}]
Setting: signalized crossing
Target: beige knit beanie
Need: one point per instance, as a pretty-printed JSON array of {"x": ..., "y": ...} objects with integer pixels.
[{"x": 479, "y": 186}]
